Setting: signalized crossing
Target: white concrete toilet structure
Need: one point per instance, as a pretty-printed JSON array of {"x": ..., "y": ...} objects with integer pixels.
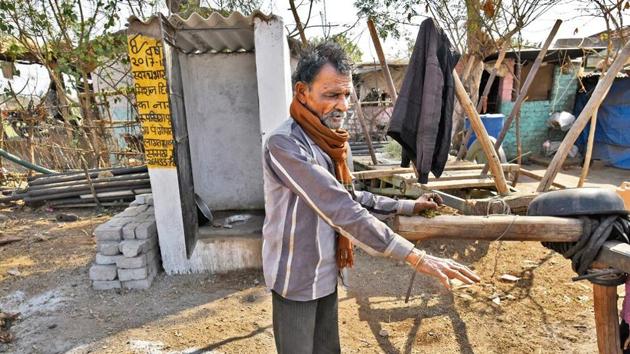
[{"x": 229, "y": 86}]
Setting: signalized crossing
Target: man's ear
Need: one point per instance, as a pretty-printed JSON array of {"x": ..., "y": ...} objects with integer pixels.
[{"x": 300, "y": 91}]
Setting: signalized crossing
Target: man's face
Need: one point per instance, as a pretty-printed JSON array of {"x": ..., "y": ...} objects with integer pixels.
[{"x": 327, "y": 96}]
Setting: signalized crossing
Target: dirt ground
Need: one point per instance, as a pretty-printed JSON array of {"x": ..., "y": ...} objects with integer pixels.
[{"x": 45, "y": 278}]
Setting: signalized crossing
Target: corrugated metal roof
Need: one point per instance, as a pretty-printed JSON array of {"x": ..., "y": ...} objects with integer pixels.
[{"x": 198, "y": 35}]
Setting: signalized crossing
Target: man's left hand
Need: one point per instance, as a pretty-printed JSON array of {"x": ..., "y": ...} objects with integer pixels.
[{"x": 427, "y": 201}]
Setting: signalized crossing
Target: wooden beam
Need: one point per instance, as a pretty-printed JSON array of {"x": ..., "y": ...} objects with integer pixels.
[
  {"x": 589, "y": 151},
  {"x": 525, "y": 87},
  {"x": 482, "y": 136},
  {"x": 593, "y": 103},
  {"x": 391, "y": 89},
  {"x": 490, "y": 228},
  {"x": 361, "y": 118},
  {"x": 535, "y": 176}
]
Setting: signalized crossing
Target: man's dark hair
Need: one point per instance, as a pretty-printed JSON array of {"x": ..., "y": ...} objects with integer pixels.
[{"x": 314, "y": 58}]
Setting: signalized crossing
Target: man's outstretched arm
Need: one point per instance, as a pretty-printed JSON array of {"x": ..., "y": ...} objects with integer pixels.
[{"x": 329, "y": 199}]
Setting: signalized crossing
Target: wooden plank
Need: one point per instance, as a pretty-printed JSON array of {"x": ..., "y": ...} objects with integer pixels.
[
  {"x": 524, "y": 88},
  {"x": 615, "y": 254},
  {"x": 532, "y": 174},
  {"x": 482, "y": 136},
  {"x": 593, "y": 103},
  {"x": 519, "y": 228}
]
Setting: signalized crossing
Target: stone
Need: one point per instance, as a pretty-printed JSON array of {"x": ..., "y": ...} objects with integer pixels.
[
  {"x": 4, "y": 218},
  {"x": 106, "y": 260},
  {"x": 132, "y": 248},
  {"x": 108, "y": 232},
  {"x": 108, "y": 248},
  {"x": 103, "y": 272},
  {"x": 129, "y": 231},
  {"x": 106, "y": 284},
  {"x": 146, "y": 230},
  {"x": 141, "y": 284},
  {"x": 133, "y": 274}
]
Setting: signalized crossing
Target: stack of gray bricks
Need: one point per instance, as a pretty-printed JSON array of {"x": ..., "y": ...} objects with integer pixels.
[{"x": 127, "y": 248}]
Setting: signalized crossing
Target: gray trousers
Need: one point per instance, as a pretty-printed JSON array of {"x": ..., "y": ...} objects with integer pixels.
[{"x": 306, "y": 327}]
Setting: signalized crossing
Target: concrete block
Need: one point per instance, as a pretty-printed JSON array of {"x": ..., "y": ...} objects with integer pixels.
[
  {"x": 107, "y": 232},
  {"x": 108, "y": 248},
  {"x": 102, "y": 272},
  {"x": 137, "y": 261},
  {"x": 120, "y": 220},
  {"x": 139, "y": 284},
  {"x": 146, "y": 230},
  {"x": 133, "y": 211},
  {"x": 105, "y": 260},
  {"x": 146, "y": 198},
  {"x": 106, "y": 284},
  {"x": 132, "y": 248},
  {"x": 135, "y": 203},
  {"x": 129, "y": 231},
  {"x": 133, "y": 273}
]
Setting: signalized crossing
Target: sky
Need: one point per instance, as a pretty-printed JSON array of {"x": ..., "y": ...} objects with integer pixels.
[{"x": 342, "y": 13}]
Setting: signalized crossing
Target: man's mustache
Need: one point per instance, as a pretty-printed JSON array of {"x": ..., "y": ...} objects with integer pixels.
[{"x": 335, "y": 114}]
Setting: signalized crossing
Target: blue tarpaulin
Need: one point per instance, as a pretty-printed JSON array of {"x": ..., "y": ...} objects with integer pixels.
[{"x": 612, "y": 133}]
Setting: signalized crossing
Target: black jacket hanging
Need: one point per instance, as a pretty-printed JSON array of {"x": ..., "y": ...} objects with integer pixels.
[{"x": 422, "y": 118}]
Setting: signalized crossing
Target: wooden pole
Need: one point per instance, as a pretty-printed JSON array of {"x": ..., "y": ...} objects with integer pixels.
[
  {"x": 361, "y": 118},
  {"x": 484, "y": 97},
  {"x": 525, "y": 87},
  {"x": 606, "y": 319},
  {"x": 589, "y": 151},
  {"x": 593, "y": 103},
  {"x": 482, "y": 136},
  {"x": 298, "y": 23},
  {"x": 391, "y": 89},
  {"x": 465, "y": 227}
]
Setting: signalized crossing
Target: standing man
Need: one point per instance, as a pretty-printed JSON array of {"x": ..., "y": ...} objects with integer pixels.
[{"x": 313, "y": 215}]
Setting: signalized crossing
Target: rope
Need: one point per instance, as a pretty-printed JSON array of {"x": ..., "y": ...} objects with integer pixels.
[{"x": 582, "y": 253}]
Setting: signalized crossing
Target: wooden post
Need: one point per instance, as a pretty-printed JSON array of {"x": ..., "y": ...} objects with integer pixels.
[
  {"x": 484, "y": 97},
  {"x": 391, "y": 89},
  {"x": 361, "y": 118},
  {"x": 589, "y": 151},
  {"x": 593, "y": 103},
  {"x": 524, "y": 88},
  {"x": 606, "y": 319},
  {"x": 482, "y": 136}
]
